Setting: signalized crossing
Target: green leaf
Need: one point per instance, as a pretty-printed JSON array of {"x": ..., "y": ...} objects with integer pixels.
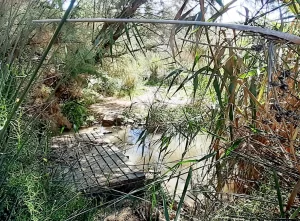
[
  {"x": 166, "y": 212},
  {"x": 62, "y": 129},
  {"x": 75, "y": 127},
  {"x": 111, "y": 40},
  {"x": 183, "y": 193},
  {"x": 196, "y": 59},
  {"x": 127, "y": 34},
  {"x": 253, "y": 90},
  {"x": 137, "y": 36},
  {"x": 255, "y": 130},
  {"x": 130, "y": 51},
  {"x": 222, "y": 11},
  {"x": 247, "y": 75},
  {"x": 295, "y": 214},
  {"x": 233, "y": 147},
  {"x": 173, "y": 74},
  {"x": 138, "y": 33},
  {"x": 190, "y": 161},
  {"x": 187, "y": 78},
  {"x": 279, "y": 197},
  {"x": 142, "y": 140},
  {"x": 66, "y": 50},
  {"x": 154, "y": 200},
  {"x": 195, "y": 84},
  {"x": 218, "y": 91},
  {"x": 220, "y": 2}
]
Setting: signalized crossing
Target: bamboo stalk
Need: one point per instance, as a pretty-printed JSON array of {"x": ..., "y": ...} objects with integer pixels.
[{"x": 286, "y": 36}]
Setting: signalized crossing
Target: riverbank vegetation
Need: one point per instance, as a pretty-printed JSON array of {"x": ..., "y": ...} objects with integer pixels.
[{"x": 240, "y": 87}]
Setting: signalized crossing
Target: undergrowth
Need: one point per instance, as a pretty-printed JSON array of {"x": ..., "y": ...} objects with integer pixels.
[
  {"x": 76, "y": 113},
  {"x": 245, "y": 96},
  {"x": 31, "y": 189}
]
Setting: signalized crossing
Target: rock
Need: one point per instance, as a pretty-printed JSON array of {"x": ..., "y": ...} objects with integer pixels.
[
  {"x": 130, "y": 121},
  {"x": 126, "y": 214},
  {"x": 107, "y": 132},
  {"x": 108, "y": 121},
  {"x": 142, "y": 123},
  {"x": 119, "y": 120}
]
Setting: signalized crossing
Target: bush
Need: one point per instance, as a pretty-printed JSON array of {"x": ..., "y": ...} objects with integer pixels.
[
  {"x": 109, "y": 86},
  {"x": 90, "y": 96},
  {"x": 80, "y": 61},
  {"x": 123, "y": 76},
  {"x": 76, "y": 113},
  {"x": 128, "y": 85},
  {"x": 29, "y": 186}
]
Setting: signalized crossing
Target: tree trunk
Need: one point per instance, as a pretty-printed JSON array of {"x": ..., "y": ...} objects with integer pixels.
[{"x": 117, "y": 28}]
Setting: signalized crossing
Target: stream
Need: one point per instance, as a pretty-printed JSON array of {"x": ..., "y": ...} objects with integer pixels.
[{"x": 149, "y": 158}]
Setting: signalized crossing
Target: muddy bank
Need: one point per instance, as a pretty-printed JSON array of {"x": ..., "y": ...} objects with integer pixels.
[{"x": 114, "y": 111}]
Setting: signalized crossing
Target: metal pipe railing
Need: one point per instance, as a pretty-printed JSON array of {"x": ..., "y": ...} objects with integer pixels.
[{"x": 265, "y": 31}]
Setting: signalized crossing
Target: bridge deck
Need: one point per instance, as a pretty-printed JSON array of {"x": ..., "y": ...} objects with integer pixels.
[{"x": 93, "y": 164}]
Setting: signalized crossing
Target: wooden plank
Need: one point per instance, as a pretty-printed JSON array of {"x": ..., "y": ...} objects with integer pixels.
[{"x": 93, "y": 164}]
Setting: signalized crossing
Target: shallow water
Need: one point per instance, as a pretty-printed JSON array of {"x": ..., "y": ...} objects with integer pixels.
[{"x": 148, "y": 157}]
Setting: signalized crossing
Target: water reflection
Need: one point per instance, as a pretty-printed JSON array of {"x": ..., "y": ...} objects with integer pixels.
[{"x": 148, "y": 157}]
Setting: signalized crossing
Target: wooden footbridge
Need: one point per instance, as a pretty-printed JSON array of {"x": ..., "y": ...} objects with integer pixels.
[{"x": 91, "y": 164}]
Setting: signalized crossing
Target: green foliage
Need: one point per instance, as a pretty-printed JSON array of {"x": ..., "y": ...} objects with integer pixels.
[
  {"x": 90, "y": 96},
  {"x": 28, "y": 189},
  {"x": 222, "y": 69},
  {"x": 153, "y": 78},
  {"x": 75, "y": 112},
  {"x": 105, "y": 85},
  {"x": 161, "y": 117},
  {"x": 31, "y": 191},
  {"x": 187, "y": 182},
  {"x": 80, "y": 61},
  {"x": 110, "y": 86},
  {"x": 3, "y": 114}
]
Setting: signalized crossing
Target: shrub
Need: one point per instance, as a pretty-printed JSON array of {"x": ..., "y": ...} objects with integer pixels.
[
  {"x": 128, "y": 84},
  {"x": 90, "y": 96},
  {"x": 80, "y": 61},
  {"x": 110, "y": 86},
  {"x": 153, "y": 78},
  {"x": 75, "y": 112}
]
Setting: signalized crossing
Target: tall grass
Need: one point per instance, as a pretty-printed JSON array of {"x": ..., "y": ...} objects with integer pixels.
[
  {"x": 253, "y": 125},
  {"x": 27, "y": 186},
  {"x": 248, "y": 100}
]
